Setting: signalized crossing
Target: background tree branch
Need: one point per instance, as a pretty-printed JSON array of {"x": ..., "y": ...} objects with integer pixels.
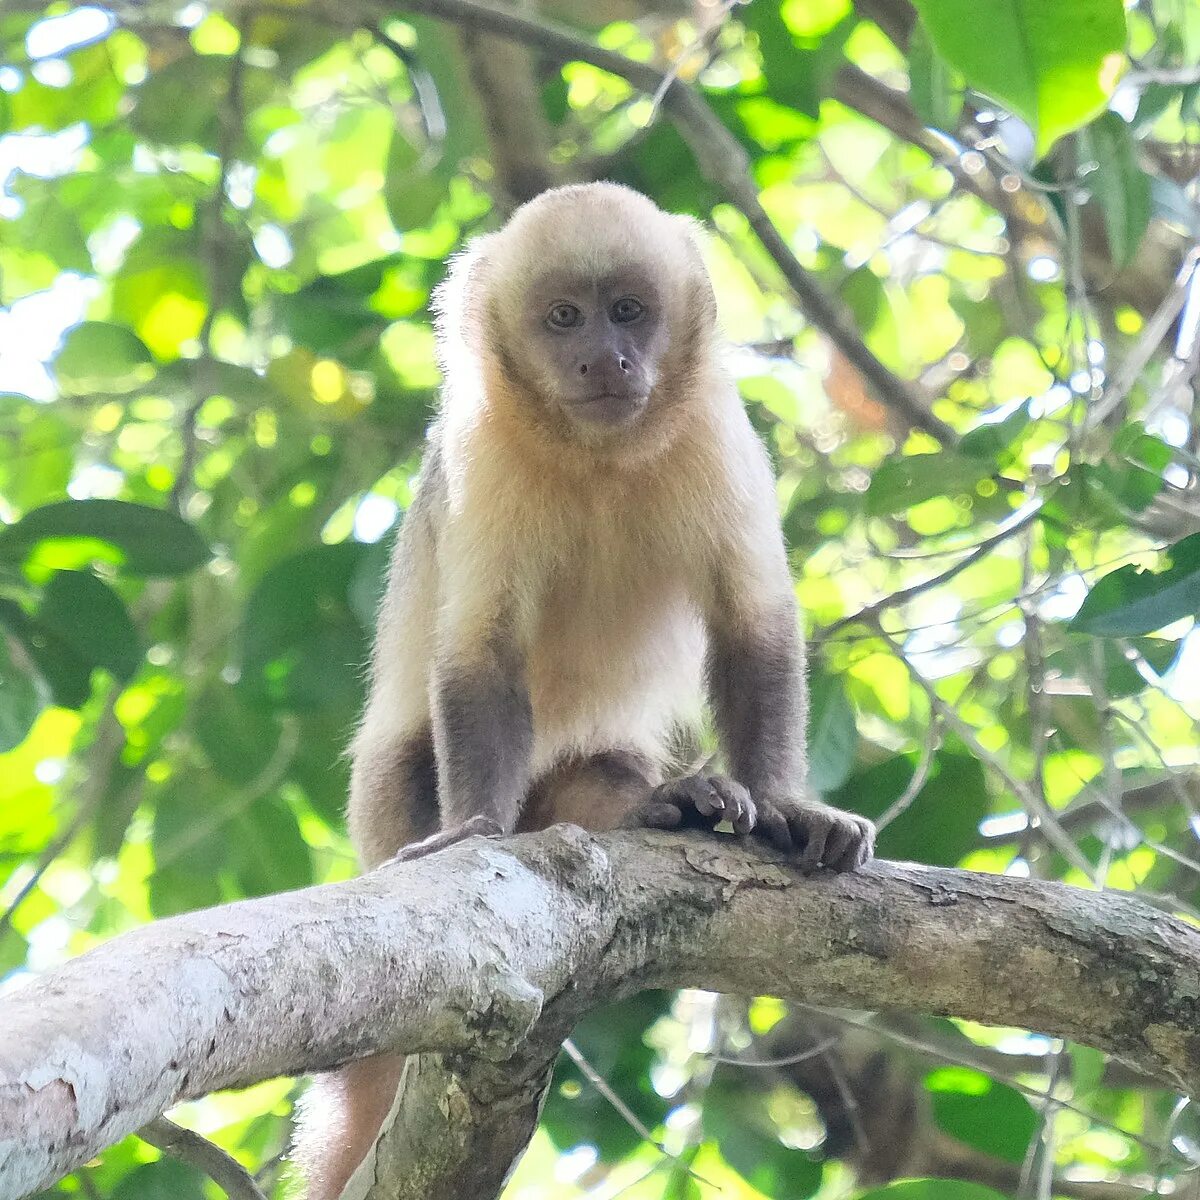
[{"x": 488, "y": 953}]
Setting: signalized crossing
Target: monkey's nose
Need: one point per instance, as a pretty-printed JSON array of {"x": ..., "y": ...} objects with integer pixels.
[{"x": 607, "y": 372}]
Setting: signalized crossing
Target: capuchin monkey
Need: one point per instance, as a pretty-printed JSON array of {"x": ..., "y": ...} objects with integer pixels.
[{"x": 593, "y": 546}]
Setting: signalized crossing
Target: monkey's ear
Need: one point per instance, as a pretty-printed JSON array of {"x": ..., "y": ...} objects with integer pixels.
[
  {"x": 703, "y": 300},
  {"x": 458, "y": 302}
]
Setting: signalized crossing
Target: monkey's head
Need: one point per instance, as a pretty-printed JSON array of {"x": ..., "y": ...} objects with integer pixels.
[{"x": 594, "y": 303}]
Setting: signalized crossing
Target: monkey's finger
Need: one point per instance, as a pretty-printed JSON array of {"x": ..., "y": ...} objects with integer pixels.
[
  {"x": 773, "y": 827},
  {"x": 811, "y": 830},
  {"x": 654, "y": 814},
  {"x": 842, "y": 845},
  {"x": 705, "y": 798},
  {"x": 739, "y": 808}
]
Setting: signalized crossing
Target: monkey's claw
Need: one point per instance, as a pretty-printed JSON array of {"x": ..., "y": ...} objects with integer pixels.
[
  {"x": 822, "y": 836},
  {"x": 481, "y": 825},
  {"x": 695, "y": 801}
]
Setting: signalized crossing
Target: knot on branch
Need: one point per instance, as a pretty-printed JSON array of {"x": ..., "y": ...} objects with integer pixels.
[{"x": 509, "y": 1015}]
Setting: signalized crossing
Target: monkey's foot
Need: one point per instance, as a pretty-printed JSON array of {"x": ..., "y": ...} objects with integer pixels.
[
  {"x": 481, "y": 825},
  {"x": 823, "y": 836},
  {"x": 695, "y": 801}
]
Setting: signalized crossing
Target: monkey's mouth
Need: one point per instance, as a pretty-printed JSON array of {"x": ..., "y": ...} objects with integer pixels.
[{"x": 609, "y": 408}]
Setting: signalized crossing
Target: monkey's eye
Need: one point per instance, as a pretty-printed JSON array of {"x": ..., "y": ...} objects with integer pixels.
[
  {"x": 563, "y": 316},
  {"x": 626, "y": 309}
]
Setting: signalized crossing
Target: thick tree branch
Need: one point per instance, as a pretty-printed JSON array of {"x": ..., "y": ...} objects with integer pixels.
[{"x": 488, "y": 952}]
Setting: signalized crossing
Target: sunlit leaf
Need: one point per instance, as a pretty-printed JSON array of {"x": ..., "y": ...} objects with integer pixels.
[
  {"x": 98, "y": 357},
  {"x": 1131, "y": 601},
  {"x": 904, "y": 482},
  {"x": 1119, "y": 185},
  {"x": 134, "y": 537},
  {"x": 1054, "y": 63},
  {"x": 989, "y": 1116}
]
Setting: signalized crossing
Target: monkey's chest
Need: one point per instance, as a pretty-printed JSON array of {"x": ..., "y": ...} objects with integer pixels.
[{"x": 617, "y": 651}]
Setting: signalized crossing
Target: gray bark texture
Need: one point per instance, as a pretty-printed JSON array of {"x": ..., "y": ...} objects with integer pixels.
[{"x": 481, "y": 958}]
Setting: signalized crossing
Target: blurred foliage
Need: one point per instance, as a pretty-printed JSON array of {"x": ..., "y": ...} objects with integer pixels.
[{"x": 220, "y": 233}]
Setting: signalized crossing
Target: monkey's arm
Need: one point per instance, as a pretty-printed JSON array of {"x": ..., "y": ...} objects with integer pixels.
[
  {"x": 480, "y": 708},
  {"x": 482, "y": 731},
  {"x": 759, "y": 694}
]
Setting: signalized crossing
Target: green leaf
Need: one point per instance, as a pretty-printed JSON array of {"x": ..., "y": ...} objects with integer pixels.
[
  {"x": 1129, "y": 601},
  {"x": 994, "y": 441},
  {"x": 238, "y": 740},
  {"x": 832, "y": 733},
  {"x": 191, "y": 844},
  {"x": 935, "y": 88},
  {"x": 19, "y": 702},
  {"x": 931, "y": 1189},
  {"x": 302, "y": 643},
  {"x": 67, "y": 675},
  {"x": 902, "y": 482},
  {"x": 1122, "y": 678},
  {"x": 166, "y": 1179},
  {"x": 1119, "y": 185},
  {"x": 179, "y": 103},
  {"x": 1087, "y": 1068},
  {"x": 412, "y": 191},
  {"x": 788, "y": 70},
  {"x": 1054, "y": 63},
  {"x": 992, "y": 1117},
  {"x": 139, "y": 539},
  {"x": 269, "y": 853},
  {"x": 91, "y": 619},
  {"x": 738, "y": 1120},
  {"x": 942, "y": 822},
  {"x": 99, "y": 357}
]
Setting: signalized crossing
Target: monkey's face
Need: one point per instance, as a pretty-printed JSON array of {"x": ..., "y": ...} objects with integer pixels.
[{"x": 593, "y": 344}]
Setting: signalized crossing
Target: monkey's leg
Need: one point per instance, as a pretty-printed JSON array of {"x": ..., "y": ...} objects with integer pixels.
[
  {"x": 393, "y": 792},
  {"x": 596, "y": 791}
]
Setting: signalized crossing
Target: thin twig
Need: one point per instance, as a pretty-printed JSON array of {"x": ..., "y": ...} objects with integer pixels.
[
  {"x": 943, "y": 1055},
  {"x": 904, "y": 801},
  {"x": 230, "y": 124},
  {"x": 622, "y": 1109},
  {"x": 1017, "y": 522},
  {"x": 184, "y": 1144},
  {"x": 1033, "y": 803}
]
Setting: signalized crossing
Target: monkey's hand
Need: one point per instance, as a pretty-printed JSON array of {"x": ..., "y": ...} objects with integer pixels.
[
  {"x": 481, "y": 825},
  {"x": 695, "y": 801},
  {"x": 822, "y": 836}
]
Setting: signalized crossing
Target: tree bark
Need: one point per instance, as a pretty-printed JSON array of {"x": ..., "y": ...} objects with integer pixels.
[{"x": 485, "y": 955}]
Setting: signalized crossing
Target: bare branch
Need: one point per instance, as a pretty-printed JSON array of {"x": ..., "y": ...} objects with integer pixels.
[
  {"x": 225, "y": 1171},
  {"x": 527, "y": 934}
]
